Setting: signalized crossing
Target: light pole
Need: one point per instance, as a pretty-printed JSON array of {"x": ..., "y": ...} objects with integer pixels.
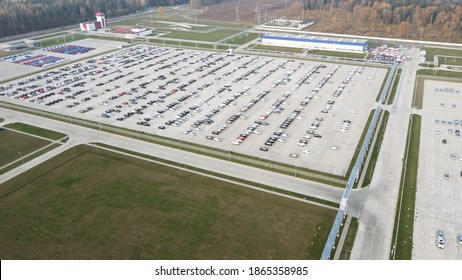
[{"x": 21, "y": 157}]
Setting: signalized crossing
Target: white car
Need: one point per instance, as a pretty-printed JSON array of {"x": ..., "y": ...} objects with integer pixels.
[
  {"x": 294, "y": 155},
  {"x": 440, "y": 239},
  {"x": 352, "y": 112},
  {"x": 333, "y": 147},
  {"x": 307, "y": 152}
]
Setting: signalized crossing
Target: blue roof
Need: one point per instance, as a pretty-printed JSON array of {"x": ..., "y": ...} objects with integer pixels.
[{"x": 328, "y": 41}]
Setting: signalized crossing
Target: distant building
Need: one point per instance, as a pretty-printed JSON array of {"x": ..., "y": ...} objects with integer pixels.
[
  {"x": 94, "y": 25},
  {"x": 315, "y": 43},
  {"x": 141, "y": 31}
]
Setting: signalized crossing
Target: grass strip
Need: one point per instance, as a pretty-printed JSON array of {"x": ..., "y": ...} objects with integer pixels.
[
  {"x": 28, "y": 158},
  {"x": 440, "y": 73},
  {"x": 376, "y": 150},
  {"x": 350, "y": 239},
  {"x": 42, "y": 132},
  {"x": 360, "y": 143},
  {"x": 392, "y": 93},
  {"x": 404, "y": 218}
]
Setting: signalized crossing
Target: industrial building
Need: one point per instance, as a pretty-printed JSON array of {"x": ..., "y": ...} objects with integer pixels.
[
  {"x": 94, "y": 25},
  {"x": 315, "y": 43}
]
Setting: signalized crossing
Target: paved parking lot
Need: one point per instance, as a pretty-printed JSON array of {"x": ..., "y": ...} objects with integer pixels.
[
  {"x": 231, "y": 102},
  {"x": 14, "y": 70},
  {"x": 439, "y": 196}
]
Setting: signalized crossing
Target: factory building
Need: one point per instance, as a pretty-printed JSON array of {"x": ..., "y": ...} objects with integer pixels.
[{"x": 315, "y": 43}]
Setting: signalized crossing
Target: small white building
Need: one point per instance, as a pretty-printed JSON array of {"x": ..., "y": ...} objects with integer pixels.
[
  {"x": 88, "y": 26},
  {"x": 315, "y": 43},
  {"x": 141, "y": 31}
]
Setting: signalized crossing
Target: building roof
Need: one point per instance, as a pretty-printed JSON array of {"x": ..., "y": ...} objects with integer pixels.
[
  {"x": 99, "y": 14},
  {"x": 313, "y": 39}
]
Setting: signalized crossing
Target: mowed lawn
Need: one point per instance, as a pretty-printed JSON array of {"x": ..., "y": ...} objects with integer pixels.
[
  {"x": 13, "y": 145},
  {"x": 88, "y": 203}
]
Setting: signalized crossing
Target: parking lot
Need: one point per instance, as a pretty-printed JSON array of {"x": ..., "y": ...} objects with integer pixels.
[
  {"x": 29, "y": 62},
  {"x": 439, "y": 189},
  {"x": 309, "y": 114}
]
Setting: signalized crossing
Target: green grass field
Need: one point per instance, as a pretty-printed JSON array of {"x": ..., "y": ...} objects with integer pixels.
[
  {"x": 404, "y": 219},
  {"x": 447, "y": 56},
  {"x": 14, "y": 145},
  {"x": 243, "y": 39},
  {"x": 88, "y": 203},
  {"x": 208, "y": 37},
  {"x": 42, "y": 132},
  {"x": 277, "y": 49},
  {"x": 440, "y": 73},
  {"x": 61, "y": 40},
  {"x": 340, "y": 54},
  {"x": 1, "y": 120}
]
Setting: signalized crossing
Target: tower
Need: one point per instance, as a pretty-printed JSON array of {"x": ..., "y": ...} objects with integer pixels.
[{"x": 101, "y": 19}]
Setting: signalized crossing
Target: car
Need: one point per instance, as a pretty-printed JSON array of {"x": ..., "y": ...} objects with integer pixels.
[
  {"x": 444, "y": 141},
  {"x": 209, "y": 137},
  {"x": 317, "y": 136},
  {"x": 453, "y": 156},
  {"x": 437, "y": 132},
  {"x": 333, "y": 147},
  {"x": 440, "y": 239},
  {"x": 446, "y": 176},
  {"x": 307, "y": 152},
  {"x": 294, "y": 155},
  {"x": 302, "y": 142},
  {"x": 161, "y": 127},
  {"x": 459, "y": 239},
  {"x": 264, "y": 149}
]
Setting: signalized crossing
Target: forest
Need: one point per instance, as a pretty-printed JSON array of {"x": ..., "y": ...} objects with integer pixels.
[
  {"x": 18, "y": 17},
  {"x": 437, "y": 20}
]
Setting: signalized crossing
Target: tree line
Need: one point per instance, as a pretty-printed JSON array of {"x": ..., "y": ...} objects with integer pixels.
[
  {"x": 410, "y": 19},
  {"x": 18, "y": 17}
]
